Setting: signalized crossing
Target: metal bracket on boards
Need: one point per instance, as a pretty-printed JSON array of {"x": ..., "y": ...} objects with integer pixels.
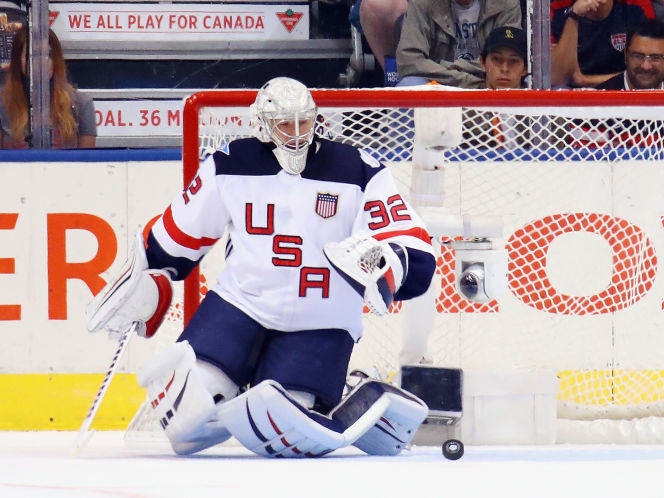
[{"x": 441, "y": 389}]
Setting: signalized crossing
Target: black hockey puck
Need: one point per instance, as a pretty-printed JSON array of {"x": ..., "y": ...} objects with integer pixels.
[{"x": 453, "y": 449}]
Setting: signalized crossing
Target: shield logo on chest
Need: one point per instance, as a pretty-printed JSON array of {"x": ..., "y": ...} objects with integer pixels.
[
  {"x": 326, "y": 205},
  {"x": 618, "y": 41}
]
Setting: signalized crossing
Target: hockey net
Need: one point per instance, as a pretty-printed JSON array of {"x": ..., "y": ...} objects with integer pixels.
[{"x": 574, "y": 178}]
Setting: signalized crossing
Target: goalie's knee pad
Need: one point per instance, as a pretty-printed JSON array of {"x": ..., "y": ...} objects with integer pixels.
[
  {"x": 178, "y": 390},
  {"x": 217, "y": 383},
  {"x": 267, "y": 420},
  {"x": 395, "y": 429}
]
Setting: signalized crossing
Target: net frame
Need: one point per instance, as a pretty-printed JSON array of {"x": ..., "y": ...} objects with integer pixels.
[
  {"x": 389, "y": 98},
  {"x": 429, "y": 98}
]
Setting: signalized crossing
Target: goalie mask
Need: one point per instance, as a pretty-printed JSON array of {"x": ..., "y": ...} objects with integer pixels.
[{"x": 284, "y": 113}]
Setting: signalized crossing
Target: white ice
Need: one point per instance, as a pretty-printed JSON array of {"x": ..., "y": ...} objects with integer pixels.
[{"x": 43, "y": 464}]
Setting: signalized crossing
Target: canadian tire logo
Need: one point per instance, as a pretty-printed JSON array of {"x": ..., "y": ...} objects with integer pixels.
[
  {"x": 52, "y": 16},
  {"x": 289, "y": 19}
]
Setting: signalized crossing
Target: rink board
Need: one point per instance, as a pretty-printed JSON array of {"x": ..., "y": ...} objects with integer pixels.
[{"x": 65, "y": 227}]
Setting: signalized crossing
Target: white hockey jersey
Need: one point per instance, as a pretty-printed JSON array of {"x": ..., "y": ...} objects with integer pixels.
[{"x": 278, "y": 223}]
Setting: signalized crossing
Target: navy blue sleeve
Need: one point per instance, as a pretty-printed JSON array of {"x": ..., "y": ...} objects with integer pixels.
[
  {"x": 421, "y": 268},
  {"x": 159, "y": 259}
]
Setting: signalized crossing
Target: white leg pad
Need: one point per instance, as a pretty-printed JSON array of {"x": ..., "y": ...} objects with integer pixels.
[
  {"x": 395, "y": 429},
  {"x": 184, "y": 406},
  {"x": 267, "y": 420},
  {"x": 218, "y": 384},
  {"x": 307, "y": 400},
  {"x": 206, "y": 435}
]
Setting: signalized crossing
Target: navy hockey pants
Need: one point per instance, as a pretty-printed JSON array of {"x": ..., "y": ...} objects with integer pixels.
[{"x": 314, "y": 361}]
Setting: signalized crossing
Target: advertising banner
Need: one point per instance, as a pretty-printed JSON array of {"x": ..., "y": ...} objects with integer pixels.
[
  {"x": 179, "y": 22},
  {"x": 65, "y": 229},
  {"x": 150, "y": 118},
  {"x": 585, "y": 293},
  {"x": 138, "y": 118}
]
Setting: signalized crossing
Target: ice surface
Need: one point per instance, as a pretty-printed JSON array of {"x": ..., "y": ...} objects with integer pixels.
[{"x": 44, "y": 464}]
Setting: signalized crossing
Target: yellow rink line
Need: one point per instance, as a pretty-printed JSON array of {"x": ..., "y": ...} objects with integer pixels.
[{"x": 61, "y": 401}]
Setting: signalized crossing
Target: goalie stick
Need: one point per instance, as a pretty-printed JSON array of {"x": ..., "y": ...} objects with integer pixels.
[{"x": 84, "y": 434}]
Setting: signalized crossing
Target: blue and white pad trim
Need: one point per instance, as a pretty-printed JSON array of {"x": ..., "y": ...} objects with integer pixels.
[{"x": 395, "y": 429}]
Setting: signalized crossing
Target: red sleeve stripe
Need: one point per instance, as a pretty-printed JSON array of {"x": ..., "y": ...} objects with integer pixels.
[
  {"x": 559, "y": 4},
  {"x": 182, "y": 238},
  {"x": 417, "y": 232}
]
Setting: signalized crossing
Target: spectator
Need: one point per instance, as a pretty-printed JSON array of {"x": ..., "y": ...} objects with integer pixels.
[
  {"x": 441, "y": 40},
  {"x": 503, "y": 61},
  {"x": 588, "y": 37},
  {"x": 379, "y": 20},
  {"x": 12, "y": 17},
  {"x": 504, "y": 58},
  {"x": 72, "y": 114},
  {"x": 644, "y": 59}
]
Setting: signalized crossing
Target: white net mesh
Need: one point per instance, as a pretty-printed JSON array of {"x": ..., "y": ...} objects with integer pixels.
[
  {"x": 576, "y": 188},
  {"x": 505, "y": 134}
]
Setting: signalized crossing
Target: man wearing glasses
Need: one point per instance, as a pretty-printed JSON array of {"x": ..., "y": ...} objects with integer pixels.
[
  {"x": 588, "y": 38},
  {"x": 644, "y": 59}
]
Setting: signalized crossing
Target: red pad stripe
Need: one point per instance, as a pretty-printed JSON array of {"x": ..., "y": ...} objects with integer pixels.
[
  {"x": 162, "y": 394},
  {"x": 387, "y": 422},
  {"x": 165, "y": 292},
  {"x": 170, "y": 382},
  {"x": 389, "y": 278},
  {"x": 417, "y": 232},
  {"x": 182, "y": 238},
  {"x": 273, "y": 424}
]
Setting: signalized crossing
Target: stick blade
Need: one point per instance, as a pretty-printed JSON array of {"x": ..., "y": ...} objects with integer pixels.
[{"x": 82, "y": 439}]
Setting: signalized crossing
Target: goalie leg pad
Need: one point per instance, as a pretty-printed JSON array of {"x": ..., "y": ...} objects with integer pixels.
[
  {"x": 395, "y": 429},
  {"x": 267, "y": 420},
  {"x": 177, "y": 392}
]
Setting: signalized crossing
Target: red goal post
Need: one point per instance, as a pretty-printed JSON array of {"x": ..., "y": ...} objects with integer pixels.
[
  {"x": 389, "y": 98},
  {"x": 574, "y": 177}
]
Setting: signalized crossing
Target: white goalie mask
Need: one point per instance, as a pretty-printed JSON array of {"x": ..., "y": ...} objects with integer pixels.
[{"x": 285, "y": 113}]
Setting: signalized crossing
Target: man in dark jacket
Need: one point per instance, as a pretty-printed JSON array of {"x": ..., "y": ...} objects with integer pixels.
[
  {"x": 644, "y": 59},
  {"x": 441, "y": 40},
  {"x": 588, "y": 38}
]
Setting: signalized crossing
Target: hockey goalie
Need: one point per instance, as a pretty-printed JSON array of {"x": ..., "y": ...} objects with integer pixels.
[{"x": 317, "y": 230}]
